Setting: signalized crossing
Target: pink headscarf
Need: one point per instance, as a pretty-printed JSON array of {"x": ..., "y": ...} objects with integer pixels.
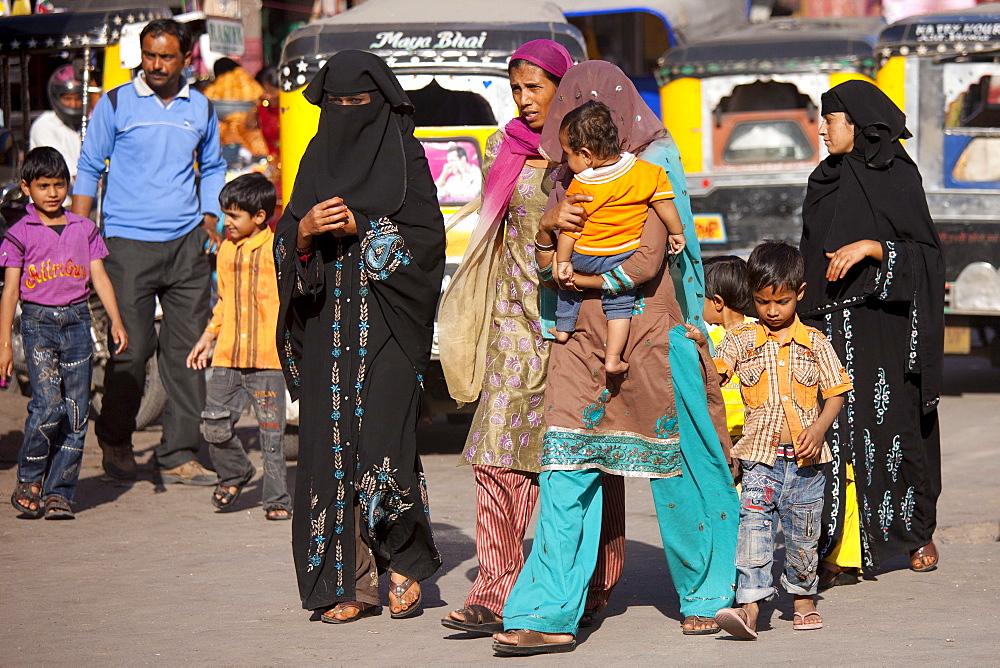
[{"x": 519, "y": 140}]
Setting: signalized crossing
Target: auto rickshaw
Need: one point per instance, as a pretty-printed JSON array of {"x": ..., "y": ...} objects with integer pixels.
[
  {"x": 743, "y": 108},
  {"x": 943, "y": 70},
  {"x": 451, "y": 58},
  {"x": 633, "y": 34}
]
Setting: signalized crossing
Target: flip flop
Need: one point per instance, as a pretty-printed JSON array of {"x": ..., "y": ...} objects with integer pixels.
[
  {"x": 364, "y": 610},
  {"x": 530, "y": 643},
  {"x": 694, "y": 619},
  {"x": 917, "y": 558},
  {"x": 734, "y": 622},
  {"x": 807, "y": 627},
  {"x": 478, "y": 619},
  {"x": 396, "y": 590}
]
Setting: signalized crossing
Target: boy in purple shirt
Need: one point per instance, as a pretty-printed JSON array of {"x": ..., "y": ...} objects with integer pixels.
[{"x": 49, "y": 256}]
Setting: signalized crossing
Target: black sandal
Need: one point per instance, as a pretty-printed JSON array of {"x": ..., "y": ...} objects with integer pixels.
[
  {"x": 274, "y": 513},
  {"x": 396, "y": 590},
  {"x": 223, "y": 499},
  {"x": 58, "y": 508},
  {"x": 23, "y": 497},
  {"x": 694, "y": 620}
]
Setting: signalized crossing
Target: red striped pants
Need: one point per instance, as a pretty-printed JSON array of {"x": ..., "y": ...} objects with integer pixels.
[{"x": 505, "y": 500}]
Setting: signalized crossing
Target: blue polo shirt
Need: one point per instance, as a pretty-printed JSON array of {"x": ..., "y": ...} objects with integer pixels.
[{"x": 153, "y": 148}]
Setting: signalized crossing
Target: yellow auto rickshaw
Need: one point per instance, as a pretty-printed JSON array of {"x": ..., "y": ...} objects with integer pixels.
[
  {"x": 943, "y": 70},
  {"x": 451, "y": 58},
  {"x": 743, "y": 108}
]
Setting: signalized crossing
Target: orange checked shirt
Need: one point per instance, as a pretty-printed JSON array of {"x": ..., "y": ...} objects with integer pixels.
[
  {"x": 780, "y": 384},
  {"x": 246, "y": 316},
  {"x": 622, "y": 194}
]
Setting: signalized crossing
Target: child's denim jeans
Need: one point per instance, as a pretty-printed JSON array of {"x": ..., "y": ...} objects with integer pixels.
[
  {"x": 228, "y": 393},
  {"x": 794, "y": 496},
  {"x": 59, "y": 352}
]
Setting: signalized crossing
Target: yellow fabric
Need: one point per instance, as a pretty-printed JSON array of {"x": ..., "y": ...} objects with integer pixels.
[
  {"x": 622, "y": 194},
  {"x": 847, "y": 553},
  {"x": 246, "y": 316},
  {"x": 780, "y": 383},
  {"x": 731, "y": 395}
]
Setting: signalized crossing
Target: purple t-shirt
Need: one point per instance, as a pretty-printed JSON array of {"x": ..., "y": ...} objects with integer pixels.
[{"x": 55, "y": 267}]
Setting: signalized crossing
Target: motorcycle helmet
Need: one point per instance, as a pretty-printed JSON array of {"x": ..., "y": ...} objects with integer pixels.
[{"x": 66, "y": 96}]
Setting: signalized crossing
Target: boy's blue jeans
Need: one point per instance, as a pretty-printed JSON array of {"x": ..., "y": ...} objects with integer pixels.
[
  {"x": 229, "y": 390},
  {"x": 59, "y": 352},
  {"x": 789, "y": 494},
  {"x": 616, "y": 306}
]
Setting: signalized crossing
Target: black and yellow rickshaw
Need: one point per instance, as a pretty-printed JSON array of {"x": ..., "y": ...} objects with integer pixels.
[
  {"x": 743, "y": 108},
  {"x": 943, "y": 70}
]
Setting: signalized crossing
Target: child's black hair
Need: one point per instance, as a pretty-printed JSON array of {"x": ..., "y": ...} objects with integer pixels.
[
  {"x": 591, "y": 126},
  {"x": 726, "y": 276},
  {"x": 44, "y": 162},
  {"x": 249, "y": 192},
  {"x": 775, "y": 264}
]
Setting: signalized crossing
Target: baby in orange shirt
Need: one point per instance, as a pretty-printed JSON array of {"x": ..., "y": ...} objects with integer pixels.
[{"x": 623, "y": 189}]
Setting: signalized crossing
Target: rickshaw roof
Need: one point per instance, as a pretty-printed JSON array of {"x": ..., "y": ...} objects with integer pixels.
[
  {"x": 781, "y": 45},
  {"x": 686, "y": 20},
  {"x": 70, "y": 30},
  {"x": 414, "y": 37},
  {"x": 958, "y": 32}
]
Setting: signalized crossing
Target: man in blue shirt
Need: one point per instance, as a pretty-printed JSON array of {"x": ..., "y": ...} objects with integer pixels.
[{"x": 160, "y": 223}]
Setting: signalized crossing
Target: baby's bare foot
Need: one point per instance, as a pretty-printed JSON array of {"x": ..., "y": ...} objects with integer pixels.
[
  {"x": 615, "y": 365},
  {"x": 561, "y": 337}
]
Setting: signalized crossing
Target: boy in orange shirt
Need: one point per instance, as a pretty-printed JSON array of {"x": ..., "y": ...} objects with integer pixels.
[
  {"x": 246, "y": 365},
  {"x": 623, "y": 188},
  {"x": 783, "y": 367}
]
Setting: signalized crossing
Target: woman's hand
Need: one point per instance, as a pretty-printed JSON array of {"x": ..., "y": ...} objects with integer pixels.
[
  {"x": 567, "y": 215},
  {"x": 331, "y": 216},
  {"x": 847, "y": 256}
]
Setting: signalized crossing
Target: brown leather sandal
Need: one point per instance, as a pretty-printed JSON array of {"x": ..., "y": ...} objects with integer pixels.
[
  {"x": 364, "y": 610},
  {"x": 396, "y": 591},
  {"x": 917, "y": 557},
  {"x": 530, "y": 643},
  {"x": 475, "y": 619},
  {"x": 27, "y": 493}
]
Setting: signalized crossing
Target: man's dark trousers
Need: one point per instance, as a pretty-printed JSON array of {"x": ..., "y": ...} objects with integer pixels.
[{"x": 178, "y": 272}]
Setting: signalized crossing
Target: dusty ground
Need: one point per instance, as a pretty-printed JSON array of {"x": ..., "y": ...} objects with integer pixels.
[{"x": 152, "y": 575}]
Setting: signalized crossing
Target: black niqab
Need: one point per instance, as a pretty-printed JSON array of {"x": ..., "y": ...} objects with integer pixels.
[{"x": 358, "y": 152}]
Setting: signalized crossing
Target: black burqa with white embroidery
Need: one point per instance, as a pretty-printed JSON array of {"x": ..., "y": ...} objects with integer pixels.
[
  {"x": 885, "y": 320},
  {"x": 354, "y": 334}
]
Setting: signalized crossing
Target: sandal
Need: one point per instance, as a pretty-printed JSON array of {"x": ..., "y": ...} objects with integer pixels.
[
  {"x": 275, "y": 513},
  {"x": 396, "y": 591},
  {"x": 363, "y": 610},
  {"x": 588, "y": 618},
  {"x": 694, "y": 620},
  {"x": 734, "y": 621},
  {"x": 811, "y": 626},
  {"x": 475, "y": 619},
  {"x": 223, "y": 499},
  {"x": 530, "y": 643},
  {"x": 24, "y": 495},
  {"x": 917, "y": 557},
  {"x": 836, "y": 576},
  {"x": 58, "y": 508}
]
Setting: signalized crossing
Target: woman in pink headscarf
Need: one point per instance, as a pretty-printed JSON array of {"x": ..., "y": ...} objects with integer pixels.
[{"x": 492, "y": 349}]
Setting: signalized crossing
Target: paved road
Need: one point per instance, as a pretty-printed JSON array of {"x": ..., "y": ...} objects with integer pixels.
[{"x": 151, "y": 575}]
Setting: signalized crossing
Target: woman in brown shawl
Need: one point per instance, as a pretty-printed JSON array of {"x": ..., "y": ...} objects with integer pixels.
[
  {"x": 875, "y": 287},
  {"x": 359, "y": 254},
  {"x": 664, "y": 420}
]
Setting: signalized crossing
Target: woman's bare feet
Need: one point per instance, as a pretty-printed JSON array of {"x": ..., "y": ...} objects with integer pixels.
[{"x": 408, "y": 599}]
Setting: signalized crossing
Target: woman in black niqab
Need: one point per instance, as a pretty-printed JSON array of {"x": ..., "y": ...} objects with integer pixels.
[
  {"x": 360, "y": 257},
  {"x": 875, "y": 287}
]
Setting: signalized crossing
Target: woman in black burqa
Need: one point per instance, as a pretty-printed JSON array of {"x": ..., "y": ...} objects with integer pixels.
[
  {"x": 875, "y": 287},
  {"x": 360, "y": 256}
]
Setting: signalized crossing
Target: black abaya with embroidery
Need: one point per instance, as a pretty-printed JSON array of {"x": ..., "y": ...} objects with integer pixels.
[
  {"x": 354, "y": 334},
  {"x": 885, "y": 320}
]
